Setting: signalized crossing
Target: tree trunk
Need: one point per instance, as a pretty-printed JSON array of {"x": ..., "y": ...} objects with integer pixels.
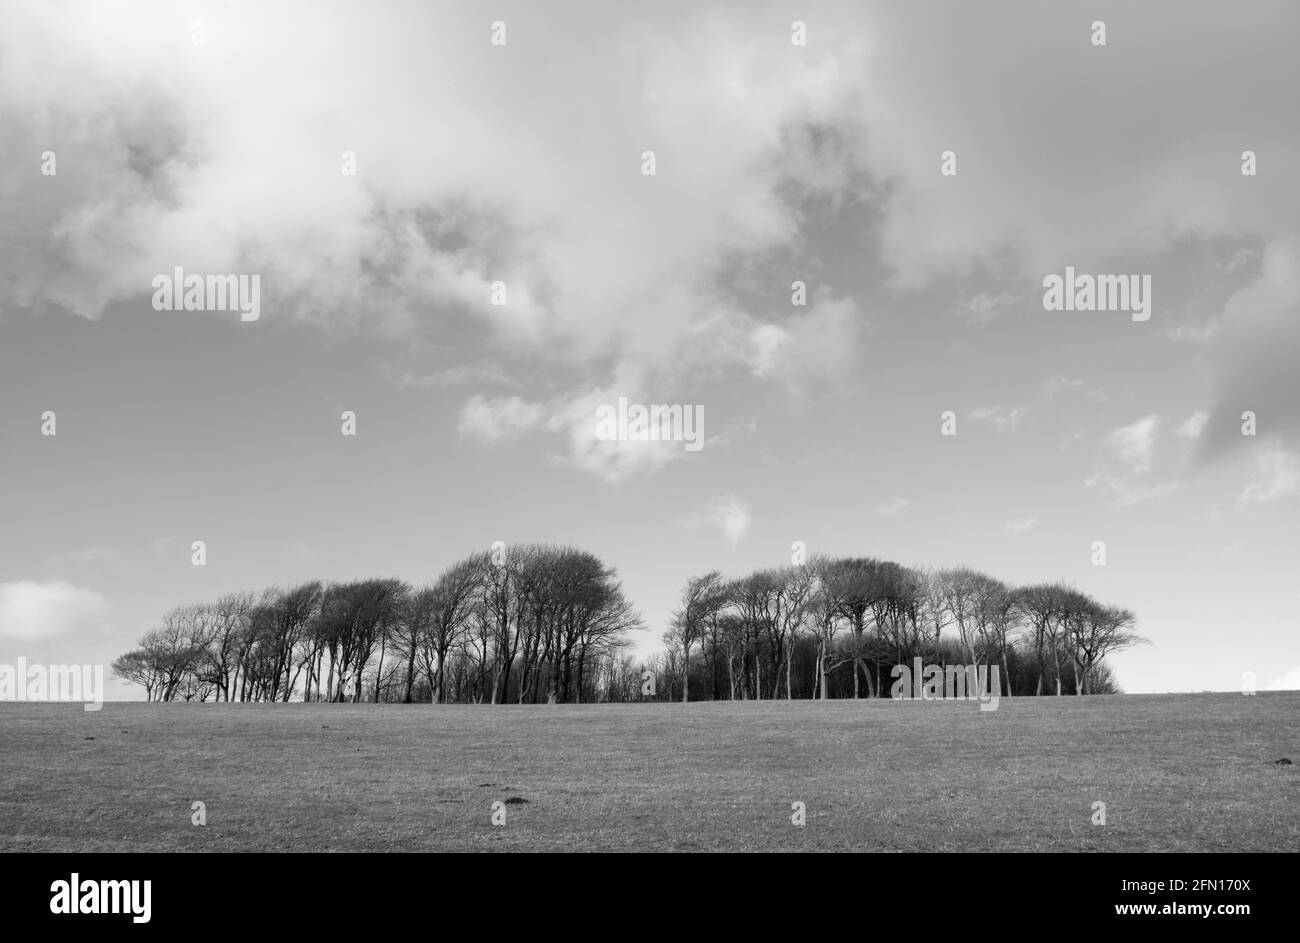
[
  {"x": 410, "y": 672},
  {"x": 686, "y": 673},
  {"x": 379, "y": 671}
]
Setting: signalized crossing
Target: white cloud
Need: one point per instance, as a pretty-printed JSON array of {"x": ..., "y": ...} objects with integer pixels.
[
  {"x": 1128, "y": 452},
  {"x": 99, "y": 554},
  {"x": 1002, "y": 420},
  {"x": 31, "y": 611},
  {"x": 495, "y": 420},
  {"x": 1195, "y": 335},
  {"x": 458, "y": 375},
  {"x": 985, "y": 307},
  {"x": 731, "y": 516},
  {"x": 1058, "y": 385},
  {"x": 616, "y": 459},
  {"x": 600, "y": 263},
  {"x": 1276, "y": 474},
  {"x": 1193, "y": 425},
  {"x": 1020, "y": 525},
  {"x": 575, "y": 418},
  {"x": 766, "y": 341},
  {"x": 893, "y": 508},
  {"x": 1287, "y": 682},
  {"x": 811, "y": 345},
  {"x": 1135, "y": 443},
  {"x": 1124, "y": 491}
]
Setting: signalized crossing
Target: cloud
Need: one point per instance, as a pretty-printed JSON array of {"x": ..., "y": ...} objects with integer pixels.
[
  {"x": 1194, "y": 424},
  {"x": 182, "y": 158},
  {"x": 614, "y": 459},
  {"x": 1195, "y": 335},
  {"x": 985, "y": 308},
  {"x": 575, "y": 419},
  {"x": 1020, "y": 526},
  {"x": 1127, "y": 455},
  {"x": 1253, "y": 356},
  {"x": 458, "y": 375},
  {"x": 1135, "y": 443},
  {"x": 1058, "y": 385},
  {"x": 893, "y": 508},
  {"x": 1013, "y": 217},
  {"x": 191, "y": 166},
  {"x": 1275, "y": 474},
  {"x": 1287, "y": 682},
  {"x": 31, "y": 611},
  {"x": 495, "y": 420},
  {"x": 99, "y": 554},
  {"x": 1125, "y": 491},
  {"x": 809, "y": 346},
  {"x": 731, "y": 516},
  {"x": 1002, "y": 420}
]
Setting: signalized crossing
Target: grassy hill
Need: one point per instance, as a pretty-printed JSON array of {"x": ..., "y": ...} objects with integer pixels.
[{"x": 1176, "y": 772}]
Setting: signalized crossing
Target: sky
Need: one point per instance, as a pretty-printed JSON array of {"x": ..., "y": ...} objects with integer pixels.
[{"x": 216, "y": 137}]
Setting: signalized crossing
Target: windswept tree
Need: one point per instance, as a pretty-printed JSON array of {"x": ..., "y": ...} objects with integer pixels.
[
  {"x": 1043, "y": 606},
  {"x": 443, "y": 613},
  {"x": 703, "y": 599},
  {"x": 935, "y": 612},
  {"x": 963, "y": 592},
  {"x": 854, "y": 587},
  {"x": 172, "y": 650},
  {"x": 824, "y": 621},
  {"x": 532, "y": 622},
  {"x": 138, "y": 667},
  {"x": 999, "y": 620},
  {"x": 1095, "y": 631},
  {"x": 605, "y": 627},
  {"x": 228, "y": 624},
  {"x": 797, "y": 588},
  {"x": 354, "y": 618}
]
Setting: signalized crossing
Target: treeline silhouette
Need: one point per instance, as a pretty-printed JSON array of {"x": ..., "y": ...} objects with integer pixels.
[{"x": 542, "y": 623}]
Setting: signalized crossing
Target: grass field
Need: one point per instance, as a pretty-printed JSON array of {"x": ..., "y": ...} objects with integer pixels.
[{"x": 1177, "y": 773}]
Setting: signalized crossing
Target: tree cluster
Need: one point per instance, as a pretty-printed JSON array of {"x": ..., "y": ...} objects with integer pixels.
[
  {"x": 832, "y": 627},
  {"x": 519, "y": 623}
]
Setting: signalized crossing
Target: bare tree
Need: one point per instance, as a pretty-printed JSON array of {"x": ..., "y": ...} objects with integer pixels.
[
  {"x": 139, "y": 667},
  {"x": 702, "y": 599},
  {"x": 854, "y": 587},
  {"x": 1043, "y": 606},
  {"x": 999, "y": 618},
  {"x": 1095, "y": 632}
]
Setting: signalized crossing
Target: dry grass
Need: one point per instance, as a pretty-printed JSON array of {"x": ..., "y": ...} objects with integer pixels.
[{"x": 1177, "y": 773}]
